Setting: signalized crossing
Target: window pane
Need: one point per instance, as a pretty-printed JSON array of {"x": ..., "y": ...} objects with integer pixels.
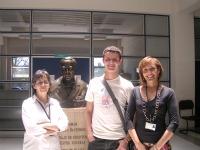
[
  {"x": 9, "y": 71},
  {"x": 157, "y": 25},
  {"x": 15, "y": 20},
  {"x": 11, "y": 98},
  {"x": 12, "y": 94},
  {"x": 98, "y": 62},
  {"x": 130, "y": 45},
  {"x": 20, "y": 68},
  {"x": 157, "y": 46},
  {"x": 61, "y": 21},
  {"x": 98, "y": 71},
  {"x": 118, "y": 23},
  {"x": 129, "y": 68},
  {"x": 165, "y": 64},
  {"x": 56, "y": 44},
  {"x": 133, "y": 45},
  {"x": 98, "y": 66},
  {"x": 14, "y": 43},
  {"x": 11, "y": 119},
  {"x": 52, "y": 65}
]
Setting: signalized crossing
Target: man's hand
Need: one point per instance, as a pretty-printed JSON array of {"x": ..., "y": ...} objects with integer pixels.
[{"x": 90, "y": 137}]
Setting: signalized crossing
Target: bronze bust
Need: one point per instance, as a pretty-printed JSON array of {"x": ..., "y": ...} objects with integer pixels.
[{"x": 68, "y": 90}]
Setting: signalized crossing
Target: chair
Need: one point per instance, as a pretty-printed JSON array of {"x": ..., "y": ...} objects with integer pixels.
[{"x": 187, "y": 105}]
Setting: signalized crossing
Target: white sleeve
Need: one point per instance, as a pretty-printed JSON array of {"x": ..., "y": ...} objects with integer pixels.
[
  {"x": 30, "y": 125},
  {"x": 62, "y": 122},
  {"x": 89, "y": 94}
]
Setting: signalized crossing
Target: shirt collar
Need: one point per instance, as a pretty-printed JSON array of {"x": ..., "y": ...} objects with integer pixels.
[{"x": 35, "y": 100}]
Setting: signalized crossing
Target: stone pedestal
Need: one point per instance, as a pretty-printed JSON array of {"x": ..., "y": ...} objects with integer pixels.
[{"x": 74, "y": 138}]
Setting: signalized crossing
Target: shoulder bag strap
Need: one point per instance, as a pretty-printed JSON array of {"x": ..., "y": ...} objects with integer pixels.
[{"x": 115, "y": 101}]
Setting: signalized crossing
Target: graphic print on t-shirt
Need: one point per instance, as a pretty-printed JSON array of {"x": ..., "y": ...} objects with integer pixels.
[{"x": 105, "y": 101}]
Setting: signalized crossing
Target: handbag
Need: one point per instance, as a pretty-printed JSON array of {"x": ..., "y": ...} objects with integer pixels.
[{"x": 115, "y": 101}]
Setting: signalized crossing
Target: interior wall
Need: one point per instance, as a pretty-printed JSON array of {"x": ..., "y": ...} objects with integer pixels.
[{"x": 183, "y": 56}]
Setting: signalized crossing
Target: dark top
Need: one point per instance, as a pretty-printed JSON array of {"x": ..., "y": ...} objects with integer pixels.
[{"x": 166, "y": 105}]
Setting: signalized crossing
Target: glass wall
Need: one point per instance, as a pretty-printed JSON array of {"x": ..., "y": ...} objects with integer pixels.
[{"x": 29, "y": 34}]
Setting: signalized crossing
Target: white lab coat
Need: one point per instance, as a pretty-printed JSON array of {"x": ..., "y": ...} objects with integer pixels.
[{"x": 34, "y": 118}]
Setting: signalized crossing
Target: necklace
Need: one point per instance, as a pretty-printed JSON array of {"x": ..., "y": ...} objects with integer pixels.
[{"x": 151, "y": 117}]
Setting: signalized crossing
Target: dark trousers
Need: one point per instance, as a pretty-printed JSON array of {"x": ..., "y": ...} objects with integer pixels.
[{"x": 103, "y": 144}]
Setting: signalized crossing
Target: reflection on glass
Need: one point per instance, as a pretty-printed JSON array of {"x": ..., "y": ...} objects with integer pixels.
[
  {"x": 130, "y": 68},
  {"x": 14, "y": 90},
  {"x": 157, "y": 46},
  {"x": 130, "y": 45},
  {"x": 157, "y": 25},
  {"x": 98, "y": 62},
  {"x": 15, "y": 20},
  {"x": 61, "y": 21},
  {"x": 20, "y": 68},
  {"x": 98, "y": 66},
  {"x": 14, "y": 43},
  {"x": 12, "y": 68},
  {"x": 165, "y": 64},
  {"x": 56, "y": 44},
  {"x": 118, "y": 23},
  {"x": 98, "y": 72}
]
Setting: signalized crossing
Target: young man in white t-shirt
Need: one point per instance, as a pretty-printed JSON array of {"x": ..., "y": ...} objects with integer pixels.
[{"x": 104, "y": 127}]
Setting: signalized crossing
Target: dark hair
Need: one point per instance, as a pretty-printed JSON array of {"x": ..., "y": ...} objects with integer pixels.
[
  {"x": 113, "y": 49},
  {"x": 149, "y": 60},
  {"x": 38, "y": 75}
]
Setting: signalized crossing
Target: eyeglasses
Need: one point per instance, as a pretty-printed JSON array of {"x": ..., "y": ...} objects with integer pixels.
[
  {"x": 42, "y": 82},
  {"x": 151, "y": 69}
]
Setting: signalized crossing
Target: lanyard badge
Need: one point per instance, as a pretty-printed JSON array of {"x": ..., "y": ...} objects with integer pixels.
[
  {"x": 149, "y": 120},
  {"x": 150, "y": 126}
]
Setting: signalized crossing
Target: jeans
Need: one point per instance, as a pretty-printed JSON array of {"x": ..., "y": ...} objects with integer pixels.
[{"x": 103, "y": 144}]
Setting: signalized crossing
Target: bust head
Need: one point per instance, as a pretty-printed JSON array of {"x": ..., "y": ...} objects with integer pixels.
[{"x": 68, "y": 68}]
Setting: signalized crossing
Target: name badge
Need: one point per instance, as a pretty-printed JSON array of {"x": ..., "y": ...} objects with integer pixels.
[{"x": 150, "y": 126}]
